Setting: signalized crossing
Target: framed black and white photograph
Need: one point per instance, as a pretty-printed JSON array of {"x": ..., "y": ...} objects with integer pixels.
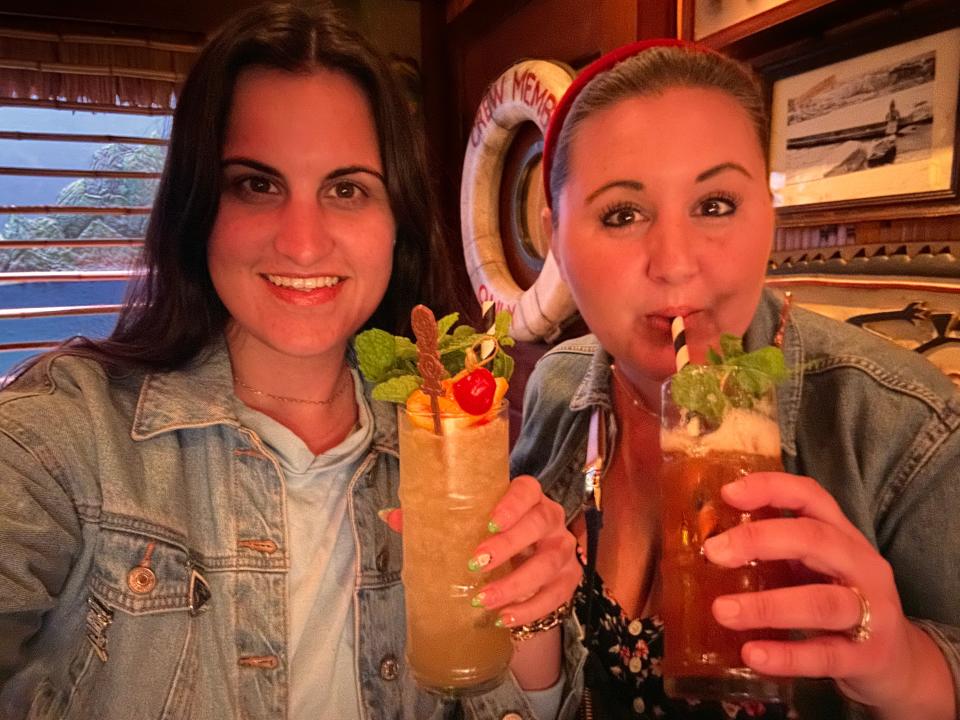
[{"x": 875, "y": 128}]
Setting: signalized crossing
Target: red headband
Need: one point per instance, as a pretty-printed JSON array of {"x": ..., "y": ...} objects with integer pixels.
[{"x": 598, "y": 66}]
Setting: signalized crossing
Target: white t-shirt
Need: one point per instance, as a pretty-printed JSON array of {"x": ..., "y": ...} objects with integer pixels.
[{"x": 322, "y": 575}]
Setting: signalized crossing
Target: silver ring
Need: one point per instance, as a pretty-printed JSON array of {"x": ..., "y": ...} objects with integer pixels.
[{"x": 862, "y": 631}]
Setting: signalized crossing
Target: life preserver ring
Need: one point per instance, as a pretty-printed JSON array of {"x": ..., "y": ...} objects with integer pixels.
[{"x": 529, "y": 90}]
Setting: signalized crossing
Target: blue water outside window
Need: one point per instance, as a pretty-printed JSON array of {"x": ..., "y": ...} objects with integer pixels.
[{"x": 75, "y": 192}]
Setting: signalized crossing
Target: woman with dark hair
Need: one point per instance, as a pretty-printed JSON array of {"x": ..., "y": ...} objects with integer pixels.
[
  {"x": 189, "y": 508},
  {"x": 174, "y": 310},
  {"x": 659, "y": 208}
]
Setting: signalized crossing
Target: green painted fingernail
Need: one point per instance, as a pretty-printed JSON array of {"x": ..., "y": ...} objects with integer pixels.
[
  {"x": 477, "y": 600},
  {"x": 480, "y": 561},
  {"x": 499, "y": 623},
  {"x": 492, "y": 527}
]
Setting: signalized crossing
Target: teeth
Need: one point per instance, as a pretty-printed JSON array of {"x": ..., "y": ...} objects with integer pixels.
[{"x": 305, "y": 284}]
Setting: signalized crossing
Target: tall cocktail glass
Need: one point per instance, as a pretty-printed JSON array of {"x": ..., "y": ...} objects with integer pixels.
[
  {"x": 449, "y": 484},
  {"x": 701, "y": 657}
]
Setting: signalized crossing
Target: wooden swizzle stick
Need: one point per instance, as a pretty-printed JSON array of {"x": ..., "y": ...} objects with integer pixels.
[{"x": 431, "y": 369}]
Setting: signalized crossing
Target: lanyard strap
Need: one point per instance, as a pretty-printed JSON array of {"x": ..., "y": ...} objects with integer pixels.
[{"x": 593, "y": 470}]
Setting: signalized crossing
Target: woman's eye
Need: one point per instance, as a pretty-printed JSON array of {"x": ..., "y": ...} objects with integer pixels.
[
  {"x": 255, "y": 185},
  {"x": 619, "y": 217},
  {"x": 346, "y": 191},
  {"x": 718, "y": 207},
  {"x": 260, "y": 185}
]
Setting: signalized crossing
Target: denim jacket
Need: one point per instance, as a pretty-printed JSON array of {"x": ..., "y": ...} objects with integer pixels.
[
  {"x": 143, "y": 557},
  {"x": 874, "y": 424}
]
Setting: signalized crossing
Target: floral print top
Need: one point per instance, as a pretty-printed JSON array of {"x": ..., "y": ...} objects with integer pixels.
[{"x": 630, "y": 650}]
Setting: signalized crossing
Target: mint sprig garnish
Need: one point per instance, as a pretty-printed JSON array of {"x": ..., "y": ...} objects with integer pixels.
[
  {"x": 390, "y": 361},
  {"x": 732, "y": 378}
]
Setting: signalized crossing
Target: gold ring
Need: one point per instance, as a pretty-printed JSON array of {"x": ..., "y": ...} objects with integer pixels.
[{"x": 862, "y": 631}]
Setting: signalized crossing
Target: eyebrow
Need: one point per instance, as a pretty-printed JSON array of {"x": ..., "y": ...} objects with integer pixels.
[
  {"x": 717, "y": 169},
  {"x": 637, "y": 186},
  {"x": 252, "y": 164},
  {"x": 332, "y": 175},
  {"x": 628, "y": 184},
  {"x": 351, "y": 169}
]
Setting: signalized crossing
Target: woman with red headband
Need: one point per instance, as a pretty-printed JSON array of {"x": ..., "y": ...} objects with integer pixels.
[{"x": 656, "y": 180}]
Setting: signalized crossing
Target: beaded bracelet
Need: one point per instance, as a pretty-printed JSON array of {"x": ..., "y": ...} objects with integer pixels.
[{"x": 547, "y": 622}]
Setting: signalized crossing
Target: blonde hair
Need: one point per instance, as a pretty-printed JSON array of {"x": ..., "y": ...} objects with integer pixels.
[{"x": 652, "y": 72}]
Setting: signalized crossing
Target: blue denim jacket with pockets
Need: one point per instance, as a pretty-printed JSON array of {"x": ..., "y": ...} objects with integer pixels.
[
  {"x": 876, "y": 425},
  {"x": 143, "y": 557}
]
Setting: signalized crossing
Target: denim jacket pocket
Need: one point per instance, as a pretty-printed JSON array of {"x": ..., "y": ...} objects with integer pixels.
[
  {"x": 138, "y": 574},
  {"x": 139, "y": 636}
]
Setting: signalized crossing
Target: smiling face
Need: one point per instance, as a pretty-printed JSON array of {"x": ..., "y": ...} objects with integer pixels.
[
  {"x": 665, "y": 212},
  {"x": 301, "y": 249}
]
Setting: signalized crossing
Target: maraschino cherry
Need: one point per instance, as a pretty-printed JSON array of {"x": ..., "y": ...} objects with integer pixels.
[{"x": 474, "y": 392}]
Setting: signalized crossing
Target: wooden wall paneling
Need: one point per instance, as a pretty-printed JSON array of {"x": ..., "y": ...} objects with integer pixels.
[
  {"x": 441, "y": 130},
  {"x": 544, "y": 29},
  {"x": 657, "y": 19}
]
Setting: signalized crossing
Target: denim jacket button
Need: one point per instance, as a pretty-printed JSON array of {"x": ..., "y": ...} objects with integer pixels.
[
  {"x": 389, "y": 668},
  {"x": 383, "y": 560},
  {"x": 141, "y": 580}
]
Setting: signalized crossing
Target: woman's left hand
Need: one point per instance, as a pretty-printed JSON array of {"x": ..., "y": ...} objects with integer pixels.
[
  {"x": 530, "y": 529},
  {"x": 883, "y": 670}
]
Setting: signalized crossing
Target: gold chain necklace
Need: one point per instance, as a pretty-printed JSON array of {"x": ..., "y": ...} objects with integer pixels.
[
  {"x": 631, "y": 394},
  {"x": 284, "y": 398}
]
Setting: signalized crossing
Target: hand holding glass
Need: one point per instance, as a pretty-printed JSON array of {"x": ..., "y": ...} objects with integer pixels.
[{"x": 702, "y": 658}]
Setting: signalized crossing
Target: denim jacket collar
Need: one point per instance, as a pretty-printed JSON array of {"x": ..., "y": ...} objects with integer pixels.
[
  {"x": 594, "y": 390},
  {"x": 202, "y": 395},
  {"x": 384, "y": 424},
  {"x": 762, "y": 331},
  {"x": 197, "y": 396}
]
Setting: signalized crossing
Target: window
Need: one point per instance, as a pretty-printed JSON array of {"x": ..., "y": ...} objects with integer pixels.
[{"x": 84, "y": 122}]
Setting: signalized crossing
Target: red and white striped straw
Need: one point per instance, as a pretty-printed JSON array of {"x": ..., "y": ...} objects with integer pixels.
[{"x": 680, "y": 343}]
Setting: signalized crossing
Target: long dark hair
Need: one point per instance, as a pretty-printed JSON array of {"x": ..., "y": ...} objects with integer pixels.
[{"x": 172, "y": 311}]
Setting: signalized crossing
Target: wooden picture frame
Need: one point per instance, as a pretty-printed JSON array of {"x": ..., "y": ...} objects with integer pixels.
[
  {"x": 718, "y": 23},
  {"x": 875, "y": 129}
]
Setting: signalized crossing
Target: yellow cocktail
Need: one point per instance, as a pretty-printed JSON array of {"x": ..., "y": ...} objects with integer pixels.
[{"x": 449, "y": 484}]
